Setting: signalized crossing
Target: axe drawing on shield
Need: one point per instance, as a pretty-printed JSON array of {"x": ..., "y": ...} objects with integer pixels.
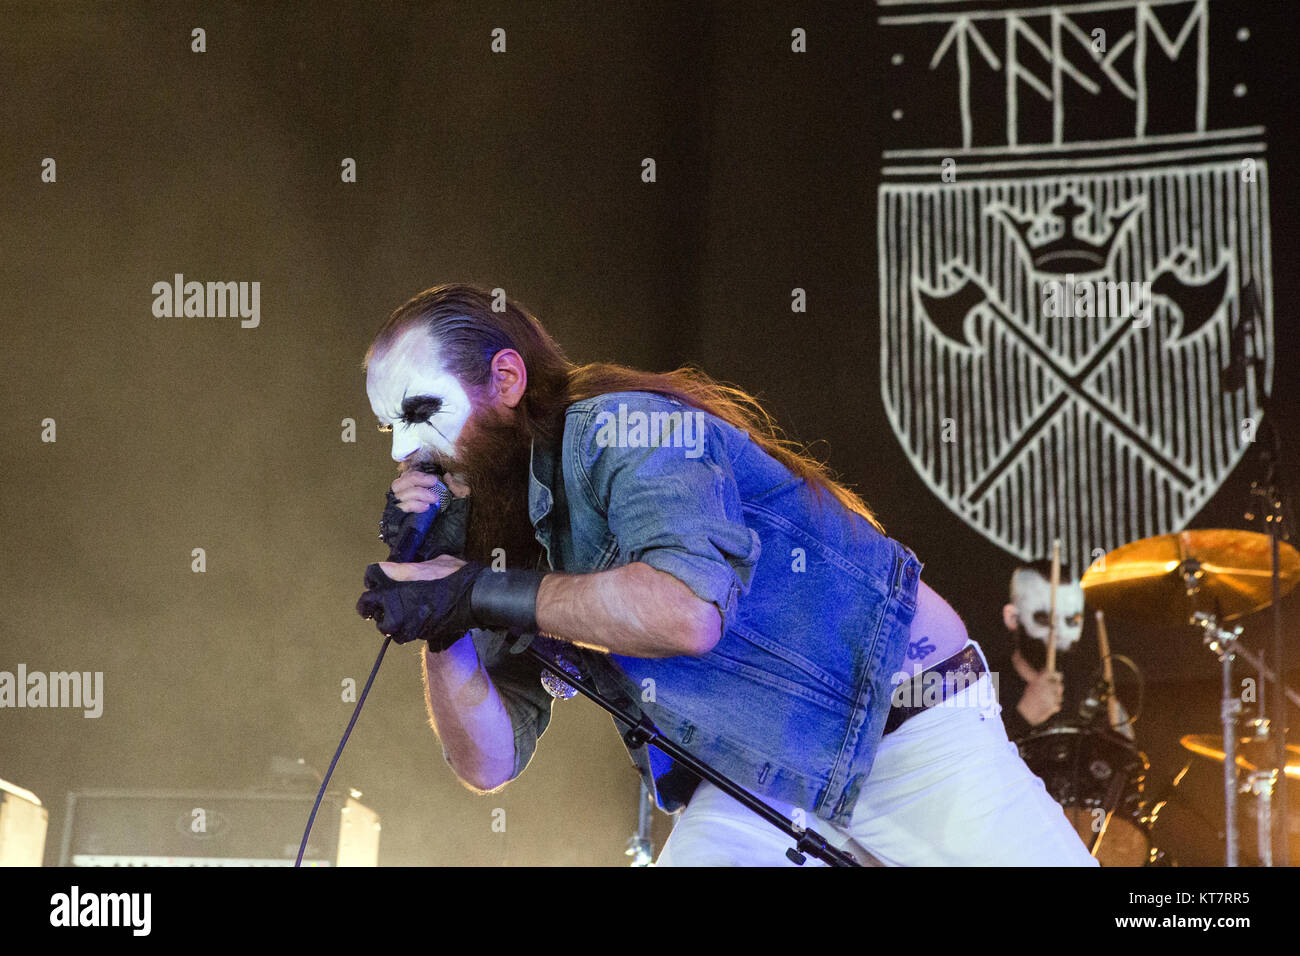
[
  {"x": 956, "y": 314},
  {"x": 1197, "y": 300}
]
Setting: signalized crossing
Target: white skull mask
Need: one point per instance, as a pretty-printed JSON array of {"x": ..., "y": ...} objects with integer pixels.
[
  {"x": 1031, "y": 594},
  {"x": 423, "y": 403}
]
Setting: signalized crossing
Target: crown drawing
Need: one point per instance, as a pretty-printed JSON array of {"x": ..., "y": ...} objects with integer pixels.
[{"x": 1070, "y": 252}]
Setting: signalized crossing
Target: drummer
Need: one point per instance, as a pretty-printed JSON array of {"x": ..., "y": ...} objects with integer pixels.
[{"x": 1031, "y": 697}]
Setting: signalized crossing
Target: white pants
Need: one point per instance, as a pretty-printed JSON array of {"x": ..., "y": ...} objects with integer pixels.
[{"x": 947, "y": 788}]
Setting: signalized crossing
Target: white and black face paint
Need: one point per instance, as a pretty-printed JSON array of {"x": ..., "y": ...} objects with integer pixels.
[
  {"x": 1031, "y": 593},
  {"x": 412, "y": 394}
]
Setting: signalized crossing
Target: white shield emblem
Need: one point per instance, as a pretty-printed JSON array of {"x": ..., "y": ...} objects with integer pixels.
[{"x": 1076, "y": 352}]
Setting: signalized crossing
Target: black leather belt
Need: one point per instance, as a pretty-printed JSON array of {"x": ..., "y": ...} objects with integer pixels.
[{"x": 921, "y": 693}]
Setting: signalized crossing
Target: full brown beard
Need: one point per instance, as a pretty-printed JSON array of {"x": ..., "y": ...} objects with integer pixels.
[{"x": 493, "y": 454}]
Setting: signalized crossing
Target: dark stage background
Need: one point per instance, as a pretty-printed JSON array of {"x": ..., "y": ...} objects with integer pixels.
[{"x": 519, "y": 170}]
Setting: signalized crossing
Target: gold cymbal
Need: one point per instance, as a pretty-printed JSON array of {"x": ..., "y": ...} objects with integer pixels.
[
  {"x": 1252, "y": 752},
  {"x": 1146, "y": 579}
]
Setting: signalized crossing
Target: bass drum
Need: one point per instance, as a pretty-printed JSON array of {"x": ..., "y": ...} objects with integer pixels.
[{"x": 1098, "y": 778}]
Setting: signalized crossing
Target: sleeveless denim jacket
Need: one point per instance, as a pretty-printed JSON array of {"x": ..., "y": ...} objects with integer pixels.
[{"x": 816, "y": 603}]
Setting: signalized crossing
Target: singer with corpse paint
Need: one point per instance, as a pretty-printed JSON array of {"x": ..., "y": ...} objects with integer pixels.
[{"x": 663, "y": 542}]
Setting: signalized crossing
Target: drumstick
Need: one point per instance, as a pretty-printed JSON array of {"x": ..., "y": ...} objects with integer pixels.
[
  {"x": 1108, "y": 673},
  {"x": 1056, "y": 583}
]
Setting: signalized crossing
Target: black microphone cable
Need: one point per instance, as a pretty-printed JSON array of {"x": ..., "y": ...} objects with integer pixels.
[
  {"x": 404, "y": 551},
  {"x": 383, "y": 648}
]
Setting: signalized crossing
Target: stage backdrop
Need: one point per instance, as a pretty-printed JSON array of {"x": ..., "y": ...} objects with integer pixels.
[{"x": 993, "y": 258}]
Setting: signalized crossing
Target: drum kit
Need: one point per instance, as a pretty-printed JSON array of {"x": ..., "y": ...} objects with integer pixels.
[{"x": 1198, "y": 581}]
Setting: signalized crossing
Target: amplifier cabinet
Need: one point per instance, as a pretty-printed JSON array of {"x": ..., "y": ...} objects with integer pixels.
[{"x": 207, "y": 828}]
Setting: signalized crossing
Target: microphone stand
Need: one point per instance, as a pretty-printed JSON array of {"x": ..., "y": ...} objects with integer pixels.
[
  {"x": 639, "y": 846},
  {"x": 642, "y": 731},
  {"x": 1244, "y": 368},
  {"x": 1278, "y": 528}
]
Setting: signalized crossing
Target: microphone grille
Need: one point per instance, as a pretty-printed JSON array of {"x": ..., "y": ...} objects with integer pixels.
[{"x": 443, "y": 495}]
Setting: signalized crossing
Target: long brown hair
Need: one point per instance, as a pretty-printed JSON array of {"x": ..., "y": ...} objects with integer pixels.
[{"x": 471, "y": 325}]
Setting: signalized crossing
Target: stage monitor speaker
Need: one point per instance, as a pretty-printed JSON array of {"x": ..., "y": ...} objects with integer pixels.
[{"x": 197, "y": 828}]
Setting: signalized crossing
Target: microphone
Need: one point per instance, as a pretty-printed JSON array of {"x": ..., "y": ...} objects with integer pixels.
[{"x": 419, "y": 523}]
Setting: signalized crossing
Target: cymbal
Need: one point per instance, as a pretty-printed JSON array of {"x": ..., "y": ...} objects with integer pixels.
[
  {"x": 1145, "y": 579},
  {"x": 1252, "y": 752}
]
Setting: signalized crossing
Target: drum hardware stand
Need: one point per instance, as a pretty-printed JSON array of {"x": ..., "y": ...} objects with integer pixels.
[
  {"x": 1278, "y": 528},
  {"x": 1217, "y": 637},
  {"x": 639, "y": 846},
  {"x": 642, "y": 731},
  {"x": 1260, "y": 784},
  {"x": 1223, "y": 644},
  {"x": 1263, "y": 784},
  {"x": 1274, "y": 519}
]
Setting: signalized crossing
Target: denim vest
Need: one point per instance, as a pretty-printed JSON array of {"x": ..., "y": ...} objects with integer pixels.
[{"x": 816, "y": 603}]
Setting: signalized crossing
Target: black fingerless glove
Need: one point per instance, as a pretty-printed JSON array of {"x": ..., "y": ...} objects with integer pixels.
[
  {"x": 441, "y": 611},
  {"x": 447, "y": 536},
  {"x": 393, "y": 522}
]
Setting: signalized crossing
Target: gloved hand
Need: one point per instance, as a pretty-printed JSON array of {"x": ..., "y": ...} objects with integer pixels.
[
  {"x": 461, "y": 595},
  {"x": 447, "y": 536},
  {"x": 437, "y": 611},
  {"x": 393, "y": 522}
]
